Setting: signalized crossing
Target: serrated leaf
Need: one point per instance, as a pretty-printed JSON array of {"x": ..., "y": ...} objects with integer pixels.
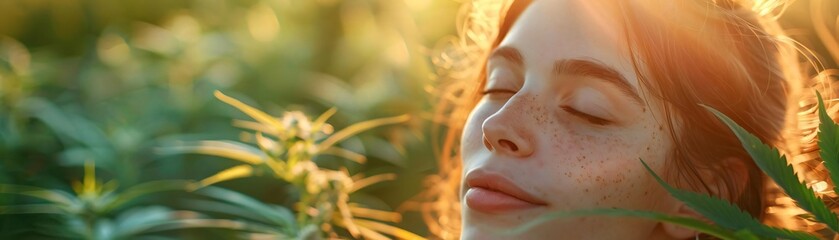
[
  {"x": 828, "y": 143},
  {"x": 776, "y": 167},
  {"x": 725, "y": 214}
]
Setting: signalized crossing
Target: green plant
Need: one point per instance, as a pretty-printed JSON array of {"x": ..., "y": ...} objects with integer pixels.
[
  {"x": 112, "y": 81},
  {"x": 96, "y": 210},
  {"x": 730, "y": 222},
  {"x": 285, "y": 149}
]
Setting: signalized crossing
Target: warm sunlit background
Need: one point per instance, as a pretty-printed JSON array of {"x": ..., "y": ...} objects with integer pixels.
[
  {"x": 111, "y": 81},
  {"x": 114, "y": 81}
]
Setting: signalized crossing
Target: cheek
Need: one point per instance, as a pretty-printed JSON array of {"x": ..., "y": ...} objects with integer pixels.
[{"x": 605, "y": 169}]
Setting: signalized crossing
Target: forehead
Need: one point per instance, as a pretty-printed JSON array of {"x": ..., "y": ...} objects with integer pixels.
[{"x": 550, "y": 30}]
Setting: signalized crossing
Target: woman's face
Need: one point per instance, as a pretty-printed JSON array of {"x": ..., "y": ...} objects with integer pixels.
[{"x": 561, "y": 126}]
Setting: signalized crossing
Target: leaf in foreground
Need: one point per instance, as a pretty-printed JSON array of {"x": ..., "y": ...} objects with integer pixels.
[
  {"x": 725, "y": 214},
  {"x": 776, "y": 167},
  {"x": 828, "y": 142}
]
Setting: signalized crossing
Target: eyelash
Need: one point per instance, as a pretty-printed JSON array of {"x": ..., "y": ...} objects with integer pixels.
[
  {"x": 587, "y": 117},
  {"x": 592, "y": 119},
  {"x": 491, "y": 91}
]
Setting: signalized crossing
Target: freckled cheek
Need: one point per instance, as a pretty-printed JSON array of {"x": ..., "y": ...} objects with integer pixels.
[
  {"x": 601, "y": 170},
  {"x": 603, "y": 186},
  {"x": 571, "y": 148},
  {"x": 629, "y": 184}
]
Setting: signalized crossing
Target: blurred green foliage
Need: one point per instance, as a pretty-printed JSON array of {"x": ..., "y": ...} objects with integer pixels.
[{"x": 112, "y": 81}]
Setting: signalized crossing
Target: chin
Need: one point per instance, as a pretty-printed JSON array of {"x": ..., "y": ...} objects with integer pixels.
[
  {"x": 496, "y": 234},
  {"x": 474, "y": 233},
  {"x": 498, "y": 227}
]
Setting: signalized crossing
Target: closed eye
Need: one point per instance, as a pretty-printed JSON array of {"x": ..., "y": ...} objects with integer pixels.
[
  {"x": 585, "y": 116},
  {"x": 498, "y": 93}
]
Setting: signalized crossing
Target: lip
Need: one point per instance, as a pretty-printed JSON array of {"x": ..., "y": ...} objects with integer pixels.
[{"x": 490, "y": 192}]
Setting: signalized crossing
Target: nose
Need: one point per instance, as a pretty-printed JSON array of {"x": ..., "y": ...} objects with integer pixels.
[{"x": 506, "y": 133}]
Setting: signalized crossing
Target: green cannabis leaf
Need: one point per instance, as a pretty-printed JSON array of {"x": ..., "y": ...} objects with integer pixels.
[{"x": 776, "y": 167}]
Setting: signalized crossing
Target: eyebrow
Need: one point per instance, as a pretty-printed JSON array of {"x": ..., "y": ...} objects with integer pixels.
[
  {"x": 597, "y": 70},
  {"x": 509, "y": 54},
  {"x": 577, "y": 67}
]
